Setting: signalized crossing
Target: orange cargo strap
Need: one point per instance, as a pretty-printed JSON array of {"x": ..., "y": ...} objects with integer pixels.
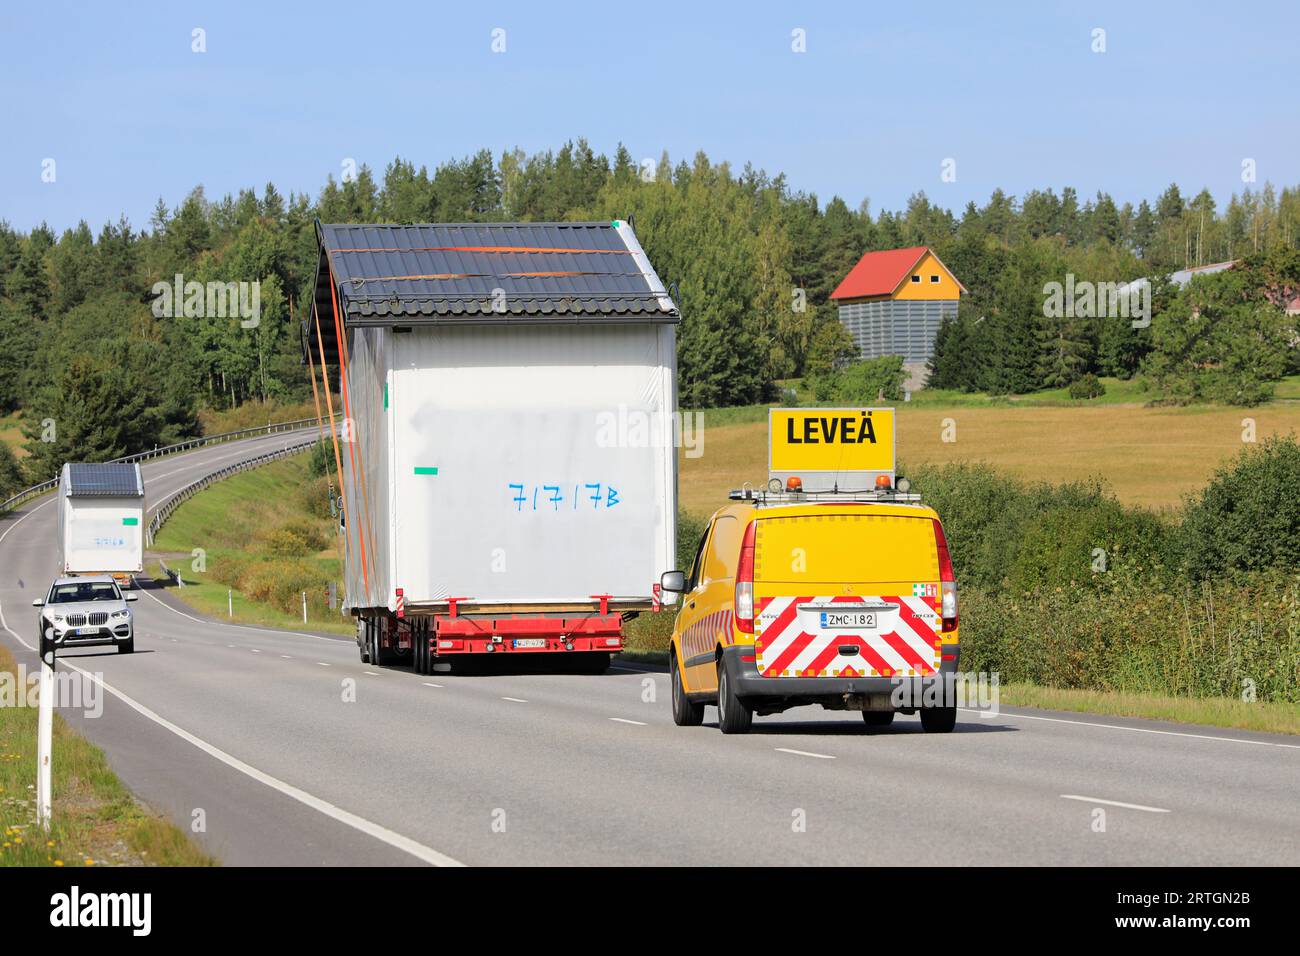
[{"x": 334, "y": 435}]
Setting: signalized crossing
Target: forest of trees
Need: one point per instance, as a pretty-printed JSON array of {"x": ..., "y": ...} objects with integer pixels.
[{"x": 752, "y": 261}]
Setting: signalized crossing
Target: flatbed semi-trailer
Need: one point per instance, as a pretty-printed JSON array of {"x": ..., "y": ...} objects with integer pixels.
[{"x": 506, "y": 439}]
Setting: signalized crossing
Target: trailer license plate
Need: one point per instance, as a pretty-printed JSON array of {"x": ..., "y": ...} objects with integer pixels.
[
  {"x": 530, "y": 642},
  {"x": 849, "y": 619}
]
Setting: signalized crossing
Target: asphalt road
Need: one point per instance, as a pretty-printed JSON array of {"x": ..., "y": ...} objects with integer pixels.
[{"x": 296, "y": 753}]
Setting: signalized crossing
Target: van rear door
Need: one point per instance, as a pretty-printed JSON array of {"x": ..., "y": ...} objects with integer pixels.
[{"x": 845, "y": 592}]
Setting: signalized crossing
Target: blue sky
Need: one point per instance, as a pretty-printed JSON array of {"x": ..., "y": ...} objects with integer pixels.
[{"x": 883, "y": 95}]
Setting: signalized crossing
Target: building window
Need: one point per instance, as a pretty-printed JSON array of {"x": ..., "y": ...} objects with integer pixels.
[
  {"x": 934, "y": 279},
  {"x": 916, "y": 278}
]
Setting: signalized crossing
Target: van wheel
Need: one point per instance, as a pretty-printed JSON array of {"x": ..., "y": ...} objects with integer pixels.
[
  {"x": 878, "y": 718},
  {"x": 733, "y": 716},
  {"x": 939, "y": 720},
  {"x": 686, "y": 713}
]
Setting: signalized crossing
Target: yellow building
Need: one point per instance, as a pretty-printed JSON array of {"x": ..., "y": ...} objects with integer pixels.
[{"x": 893, "y": 301}]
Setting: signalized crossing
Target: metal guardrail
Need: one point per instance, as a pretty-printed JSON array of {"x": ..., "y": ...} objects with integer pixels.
[
  {"x": 169, "y": 505},
  {"x": 36, "y": 490}
]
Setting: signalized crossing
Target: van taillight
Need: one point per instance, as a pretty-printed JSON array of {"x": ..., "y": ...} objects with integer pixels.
[
  {"x": 745, "y": 583},
  {"x": 947, "y": 582}
]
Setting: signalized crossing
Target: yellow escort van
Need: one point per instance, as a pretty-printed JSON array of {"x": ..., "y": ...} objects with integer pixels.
[{"x": 841, "y": 595}]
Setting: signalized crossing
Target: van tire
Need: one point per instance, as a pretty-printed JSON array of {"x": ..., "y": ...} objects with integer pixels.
[
  {"x": 939, "y": 720},
  {"x": 686, "y": 713},
  {"x": 734, "y": 717},
  {"x": 878, "y": 718}
]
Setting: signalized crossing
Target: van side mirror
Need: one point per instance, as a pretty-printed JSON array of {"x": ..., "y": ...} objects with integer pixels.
[
  {"x": 39, "y": 602},
  {"x": 130, "y": 597},
  {"x": 673, "y": 582}
]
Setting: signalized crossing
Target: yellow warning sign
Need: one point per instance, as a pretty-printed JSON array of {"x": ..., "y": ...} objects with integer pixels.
[{"x": 840, "y": 440}]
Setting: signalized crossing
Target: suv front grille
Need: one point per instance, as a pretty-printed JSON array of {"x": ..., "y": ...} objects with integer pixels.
[
  {"x": 99, "y": 617},
  {"x": 75, "y": 620}
]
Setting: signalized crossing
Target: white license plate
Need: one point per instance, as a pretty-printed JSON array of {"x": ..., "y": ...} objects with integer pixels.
[
  {"x": 856, "y": 620},
  {"x": 530, "y": 642},
  {"x": 87, "y": 630}
]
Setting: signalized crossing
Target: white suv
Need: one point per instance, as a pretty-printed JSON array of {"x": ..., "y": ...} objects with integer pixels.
[{"x": 83, "y": 612}]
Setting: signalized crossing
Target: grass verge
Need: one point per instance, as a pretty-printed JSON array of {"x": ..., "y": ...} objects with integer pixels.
[
  {"x": 1277, "y": 718},
  {"x": 265, "y": 536},
  {"x": 96, "y": 821}
]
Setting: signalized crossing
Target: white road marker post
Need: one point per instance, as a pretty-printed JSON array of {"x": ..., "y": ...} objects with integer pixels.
[
  {"x": 304, "y": 607},
  {"x": 230, "y": 602},
  {"x": 45, "y": 740}
]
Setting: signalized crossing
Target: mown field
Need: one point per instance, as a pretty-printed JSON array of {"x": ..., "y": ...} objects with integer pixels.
[
  {"x": 1150, "y": 457},
  {"x": 96, "y": 821}
]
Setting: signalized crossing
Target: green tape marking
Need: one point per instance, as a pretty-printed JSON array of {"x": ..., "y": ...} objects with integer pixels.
[
  {"x": 426, "y": 471},
  {"x": 385, "y": 395},
  {"x": 131, "y": 521}
]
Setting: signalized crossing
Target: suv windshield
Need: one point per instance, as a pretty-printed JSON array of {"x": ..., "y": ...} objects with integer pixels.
[{"x": 77, "y": 593}]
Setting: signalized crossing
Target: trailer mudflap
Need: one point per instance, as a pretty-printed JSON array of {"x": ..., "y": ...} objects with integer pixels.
[{"x": 511, "y": 634}]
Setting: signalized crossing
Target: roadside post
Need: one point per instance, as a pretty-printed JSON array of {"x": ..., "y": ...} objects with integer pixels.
[{"x": 45, "y": 740}]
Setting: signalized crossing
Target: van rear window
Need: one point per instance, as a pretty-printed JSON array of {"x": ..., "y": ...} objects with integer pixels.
[{"x": 835, "y": 548}]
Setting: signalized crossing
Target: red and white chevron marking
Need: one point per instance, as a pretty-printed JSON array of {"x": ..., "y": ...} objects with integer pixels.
[{"x": 791, "y": 643}]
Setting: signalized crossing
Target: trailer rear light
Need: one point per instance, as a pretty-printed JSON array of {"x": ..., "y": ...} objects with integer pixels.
[
  {"x": 947, "y": 582},
  {"x": 745, "y": 582},
  {"x": 611, "y": 642}
]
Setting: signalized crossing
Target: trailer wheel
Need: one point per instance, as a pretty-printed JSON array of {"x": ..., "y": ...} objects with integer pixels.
[
  {"x": 421, "y": 651},
  {"x": 733, "y": 716},
  {"x": 686, "y": 713},
  {"x": 939, "y": 720},
  {"x": 363, "y": 640},
  {"x": 878, "y": 718}
]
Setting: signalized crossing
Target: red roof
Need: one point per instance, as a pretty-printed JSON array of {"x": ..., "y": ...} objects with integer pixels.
[{"x": 879, "y": 273}]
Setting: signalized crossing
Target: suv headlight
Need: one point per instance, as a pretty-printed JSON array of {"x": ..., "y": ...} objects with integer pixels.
[
  {"x": 119, "y": 615},
  {"x": 56, "y": 618}
]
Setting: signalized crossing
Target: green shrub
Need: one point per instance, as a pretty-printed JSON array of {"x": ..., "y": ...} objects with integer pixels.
[
  {"x": 1248, "y": 517},
  {"x": 1086, "y": 387},
  {"x": 314, "y": 496},
  {"x": 1076, "y": 544},
  {"x": 321, "y": 461},
  {"x": 863, "y": 383}
]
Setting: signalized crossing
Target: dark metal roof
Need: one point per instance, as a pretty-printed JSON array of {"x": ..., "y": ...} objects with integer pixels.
[
  {"x": 109, "y": 480},
  {"x": 488, "y": 273}
]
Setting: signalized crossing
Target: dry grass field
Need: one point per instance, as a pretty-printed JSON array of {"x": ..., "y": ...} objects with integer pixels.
[{"x": 1148, "y": 456}]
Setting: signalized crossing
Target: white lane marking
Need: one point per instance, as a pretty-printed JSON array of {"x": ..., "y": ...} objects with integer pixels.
[
  {"x": 517, "y": 700},
  {"x": 373, "y": 673},
  {"x": 361, "y": 824},
  {"x": 624, "y": 720},
  {"x": 1138, "y": 730},
  {"x": 1114, "y": 803},
  {"x": 25, "y": 517},
  {"x": 804, "y": 753},
  {"x": 427, "y": 684},
  {"x": 246, "y": 627},
  {"x": 286, "y": 657},
  {"x": 322, "y": 664},
  {"x": 255, "y": 650}
]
